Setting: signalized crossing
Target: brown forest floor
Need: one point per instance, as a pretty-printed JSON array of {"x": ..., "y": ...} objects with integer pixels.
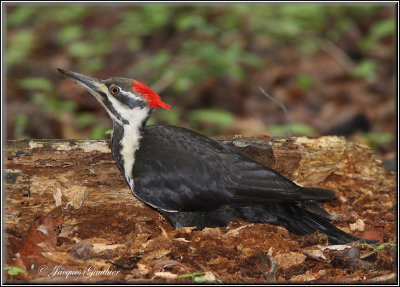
[{"x": 112, "y": 233}]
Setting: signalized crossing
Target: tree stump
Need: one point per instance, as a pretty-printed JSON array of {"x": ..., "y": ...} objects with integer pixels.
[{"x": 107, "y": 235}]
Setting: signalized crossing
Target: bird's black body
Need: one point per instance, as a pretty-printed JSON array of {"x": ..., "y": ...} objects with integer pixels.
[{"x": 194, "y": 180}]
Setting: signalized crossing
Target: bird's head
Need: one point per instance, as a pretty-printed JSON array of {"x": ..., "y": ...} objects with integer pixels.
[{"x": 122, "y": 98}]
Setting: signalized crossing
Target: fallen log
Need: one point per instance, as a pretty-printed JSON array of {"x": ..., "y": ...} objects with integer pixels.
[{"x": 77, "y": 182}]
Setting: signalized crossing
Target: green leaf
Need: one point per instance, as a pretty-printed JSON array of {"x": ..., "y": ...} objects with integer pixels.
[
  {"x": 171, "y": 117},
  {"x": 12, "y": 270},
  {"x": 84, "y": 119},
  {"x": 92, "y": 64},
  {"x": 251, "y": 60},
  {"x": 380, "y": 30},
  {"x": 182, "y": 84},
  {"x": 199, "y": 279},
  {"x": 100, "y": 132},
  {"x": 305, "y": 82},
  {"x": 383, "y": 245},
  {"x": 19, "y": 47},
  {"x": 215, "y": 116},
  {"x": 51, "y": 103},
  {"x": 80, "y": 49},
  {"x": 144, "y": 20},
  {"x": 20, "y": 15},
  {"x": 191, "y": 275},
  {"x": 151, "y": 121},
  {"x": 158, "y": 62},
  {"x": 20, "y": 122},
  {"x": 189, "y": 21},
  {"x": 69, "y": 33},
  {"x": 379, "y": 247},
  {"x": 383, "y": 28},
  {"x": 134, "y": 43},
  {"x": 365, "y": 70},
  {"x": 69, "y": 14},
  {"x": 298, "y": 129},
  {"x": 376, "y": 139},
  {"x": 35, "y": 83}
]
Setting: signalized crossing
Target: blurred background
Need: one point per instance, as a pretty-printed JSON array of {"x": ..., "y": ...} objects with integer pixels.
[{"x": 331, "y": 66}]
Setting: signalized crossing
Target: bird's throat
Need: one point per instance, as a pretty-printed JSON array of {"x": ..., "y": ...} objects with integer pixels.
[{"x": 125, "y": 142}]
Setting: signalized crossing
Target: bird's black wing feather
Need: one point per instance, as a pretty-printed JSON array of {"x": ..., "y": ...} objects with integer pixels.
[
  {"x": 260, "y": 184},
  {"x": 178, "y": 169}
]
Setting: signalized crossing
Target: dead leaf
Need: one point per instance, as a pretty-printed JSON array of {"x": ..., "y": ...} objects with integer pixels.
[
  {"x": 359, "y": 225},
  {"x": 291, "y": 259},
  {"x": 181, "y": 239},
  {"x": 211, "y": 231},
  {"x": 81, "y": 250},
  {"x": 166, "y": 275},
  {"x": 41, "y": 236},
  {"x": 235, "y": 232},
  {"x": 375, "y": 232},
  {"x": 161, "y": 264},
  {"x": 209, "y": 277},
  {"x": 324, "y": 253},
  {"x": 303, "y": 277},
  {"x": 156, "y": 254},
  {"x": 58, "y": 197}
]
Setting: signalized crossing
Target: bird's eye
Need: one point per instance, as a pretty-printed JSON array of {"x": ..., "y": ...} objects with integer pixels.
[{"x": 114, "y": 90}]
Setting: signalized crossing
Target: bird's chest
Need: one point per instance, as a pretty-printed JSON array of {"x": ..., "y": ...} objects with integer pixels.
[{"x": 125, "y": 143}]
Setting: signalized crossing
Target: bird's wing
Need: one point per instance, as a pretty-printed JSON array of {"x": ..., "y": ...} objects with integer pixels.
[
  {"x": 179, "y": 170},
  {"x": 260, "y": 184},
  {"x": 176, "y": 169}
]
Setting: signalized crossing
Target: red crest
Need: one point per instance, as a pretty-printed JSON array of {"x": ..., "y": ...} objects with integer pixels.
[{"x": 149, "y": 95}]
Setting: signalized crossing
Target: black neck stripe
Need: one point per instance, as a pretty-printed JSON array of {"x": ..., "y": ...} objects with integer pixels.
[{"x": 111, "y": 108}]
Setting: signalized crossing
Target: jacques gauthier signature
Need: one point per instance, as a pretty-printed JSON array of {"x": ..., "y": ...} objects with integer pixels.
[{"x": 59, "y": 270}]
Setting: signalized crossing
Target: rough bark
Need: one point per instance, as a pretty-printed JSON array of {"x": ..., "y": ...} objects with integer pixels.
[{"x": 78, "y": 183}]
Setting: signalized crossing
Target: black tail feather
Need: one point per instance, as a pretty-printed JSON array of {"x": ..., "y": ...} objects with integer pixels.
[
  {"x": 297, "y": 220},
  {"x": 317, "y": 193},
  {"x": 316, "y": 208}
]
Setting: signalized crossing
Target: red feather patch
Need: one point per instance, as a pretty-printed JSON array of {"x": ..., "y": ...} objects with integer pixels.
[{"x": 149, "y": 95}]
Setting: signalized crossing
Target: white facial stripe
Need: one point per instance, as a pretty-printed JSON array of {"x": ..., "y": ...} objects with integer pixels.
[
  {"x": 131, "y": 95},
  {"x": 124, "y": 111}
]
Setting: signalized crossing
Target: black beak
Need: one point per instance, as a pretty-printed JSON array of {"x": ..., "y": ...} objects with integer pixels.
[{"x": 80, "y": 79}]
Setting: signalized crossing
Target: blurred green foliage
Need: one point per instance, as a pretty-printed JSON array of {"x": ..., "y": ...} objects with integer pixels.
[
  {"x": 84, "y": 120},
  {"x": 19, "y": 47},
  {"x": 41, "y": 84},
  {"x": 43, "y": 95},
  {"x": 305, "y": 82},
  {"x": 298, "y": 129},
  {"x": 366, "y": 69},
  {"x": 100, "y": 132},
  {"x": 216, "y": 42},
  {"x": 210, "y": 120},
  {"x": 384, "y": 28},
  {"x": 374, "y": 139},
  {"x": 20, "y": 121}
]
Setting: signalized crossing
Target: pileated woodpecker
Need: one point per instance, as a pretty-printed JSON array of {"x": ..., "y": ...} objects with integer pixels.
[{"x": 194, "y": 180}]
